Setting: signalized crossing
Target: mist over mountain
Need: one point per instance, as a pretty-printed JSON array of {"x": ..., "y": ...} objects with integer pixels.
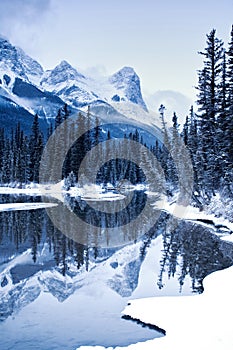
[
  {"x": 174, "y": 101},
  {"x": 26, "y": 89}
]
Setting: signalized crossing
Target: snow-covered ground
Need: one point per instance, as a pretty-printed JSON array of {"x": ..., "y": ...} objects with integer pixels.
[
  {"x": 31, "y": 190},
  {"x": 192, "y": 213},
  {"x": 91, "y": 314},
  {"x": 87, "y": 192},
  {"x": 25, "y": 206},
  {"x": 94, "y": 193},
  {"x": 191, "y": 322}
]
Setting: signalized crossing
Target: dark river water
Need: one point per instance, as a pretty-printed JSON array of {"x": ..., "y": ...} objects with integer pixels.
[{"x": 56, "y": 295}]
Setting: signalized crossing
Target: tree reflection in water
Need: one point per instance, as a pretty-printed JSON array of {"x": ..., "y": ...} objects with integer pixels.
[{"x": 190, "y": 250}]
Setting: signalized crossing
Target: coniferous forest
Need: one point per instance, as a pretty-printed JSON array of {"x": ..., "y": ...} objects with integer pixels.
[{"x": 206, "y": 133}]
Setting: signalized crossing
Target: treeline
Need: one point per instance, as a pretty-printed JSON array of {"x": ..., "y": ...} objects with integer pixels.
[
  {"x": 20, "y": 155},
  {"x": 114, "y": 170},
  {"x": 208, "y": 134}
]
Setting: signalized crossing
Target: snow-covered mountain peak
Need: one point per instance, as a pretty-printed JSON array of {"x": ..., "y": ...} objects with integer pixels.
[
  {"x": 124, "y": 73},
  {"x": 79, "y": 90},
  {"x": 124, "y": 77},
  {"x": 23, "y": 80},
  {"x": 9, "y": 57},
  {"x": 5, "y": 44},
  {"x": 67, "y": 83},
  {"x": 63, "y": 72},
  {"x": 127, "y": 83},
  {"x": 33, "y": 70},
  {"x": 15, "y": 61}
]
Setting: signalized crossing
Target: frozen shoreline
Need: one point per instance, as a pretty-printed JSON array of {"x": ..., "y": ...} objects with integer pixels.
[
  {"x": 90, "y": 192},
  {"x": 199, "y": 321},
  {"x": 191, "y": 322}
]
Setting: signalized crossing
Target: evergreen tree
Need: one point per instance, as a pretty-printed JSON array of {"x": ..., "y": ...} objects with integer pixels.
[
  {"x": 230, "y": 72},
  {"x": 175, "y": 122},
  {"x": 209, "y": 106},
  {"x": 6, "y": 162},
  {"x": 209, "y": 87},
  {"x": 36, "y": 149},
  {"x": 185, "y": 132},
  {"x": 229, "y": 128},
  {"x": 2, "y": 146},
  {"x": 224, "y": 140},
  {"x": 49, "y": 130},
  {"x": 78, "y": 149}
]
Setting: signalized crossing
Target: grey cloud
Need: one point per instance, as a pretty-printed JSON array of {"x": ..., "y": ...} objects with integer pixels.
[
  {"x": 16, "y": 13},
  {"x": 23, "y": 22},
  {"x": 22, "y": 8}
]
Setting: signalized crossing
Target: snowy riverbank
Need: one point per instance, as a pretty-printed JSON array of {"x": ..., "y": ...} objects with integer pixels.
[{"x": 191, "y": 322}]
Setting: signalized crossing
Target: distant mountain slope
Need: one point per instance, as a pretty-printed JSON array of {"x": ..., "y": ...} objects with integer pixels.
[
  {"x": 26, "y": 89},
  {"x": 11, "y": 113}
]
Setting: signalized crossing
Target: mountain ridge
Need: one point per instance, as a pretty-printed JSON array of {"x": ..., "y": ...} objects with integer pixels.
[{"x": 35, "y": 90}]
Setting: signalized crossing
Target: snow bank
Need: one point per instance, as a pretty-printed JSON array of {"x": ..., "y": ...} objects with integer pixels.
[
  {"x": 25, "y": 206},
  {"x": 191, "y": 213},
  {"x": 194, "y": 322},
  {"x": 94, "y": 192},
  {"x": 191, "y": 322}
]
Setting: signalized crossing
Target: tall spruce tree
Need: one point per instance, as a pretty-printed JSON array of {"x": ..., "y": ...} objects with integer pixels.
[
  {"x": 230, "y": 70},
  {"x": 2, "y": 145},
  {"x": 36, "y": 149},
  {"x": 209, "y": 107},
  {"x": 229, "y": 131},
  {"x": 223, "y": 124}
]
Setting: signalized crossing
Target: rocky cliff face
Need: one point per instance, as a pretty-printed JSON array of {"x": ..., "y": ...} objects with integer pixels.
[{"x": 127, "y": 83}]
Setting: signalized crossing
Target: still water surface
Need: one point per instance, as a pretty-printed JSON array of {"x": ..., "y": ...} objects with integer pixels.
[{"x": 59, "y": 294}]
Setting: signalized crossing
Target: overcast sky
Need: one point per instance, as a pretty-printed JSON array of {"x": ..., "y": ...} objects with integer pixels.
[{"x": 158, "y": 38}]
